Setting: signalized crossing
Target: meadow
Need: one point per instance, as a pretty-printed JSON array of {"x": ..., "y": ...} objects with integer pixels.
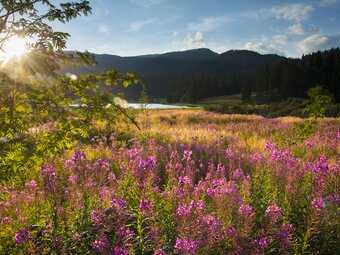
[{"x": 190, "y": 182}]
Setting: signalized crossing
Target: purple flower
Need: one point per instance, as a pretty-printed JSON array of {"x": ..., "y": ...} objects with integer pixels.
[
  {"x": 118, "y": 202},
  {"x": 318, "y": 203},
  {"x": 245, "y": 211},
  {"x": 69, "y": 163},
  {"x": 231, "y": 231},
  {"x": 229, "y": 152},
  {"x": 273, "y": 209},
  {"x": 238, "y": 174},
  {"x": 187, "y": 155},
  {"x": 149, "y": 163},
  {"x": 185, "y": 209},
  {"x": 21, "y": 236},
  {"x": 184, "y": 180},
  {"x": 124, "y": 232},
  {"x": 111, "y": 177},
  {"x": 6, "y": 220},
  {"x": 269, "y": 146},
  {"x": 32, "y": 184},
  {"x": 145, "y": 205},
  {"x": 47, "y": 171},
  {"x": 263, "y": 242},
  {"x": 78, "y": 155},
  {"x": 159, "y": 252},
  {"x": 95, "y": 217},
  {"x": 333, "y": 198},
  {"x": 309, "y": 143},
  {"x": 120, "y": 251},
  {"x": 174, "y": 155},
  {"x": 186, "y": 246},
  {"x": 73, "y": 178},
  {"x": 75, "y": 236},
  {"x": 274, "y": 212},
  {"x": 101, "y": 243}
]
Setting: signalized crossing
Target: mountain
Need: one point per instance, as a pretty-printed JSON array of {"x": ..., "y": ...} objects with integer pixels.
[{"x": 161, "y": 72}]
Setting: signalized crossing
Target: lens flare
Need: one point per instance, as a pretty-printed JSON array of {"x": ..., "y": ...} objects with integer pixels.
[{"x": 14, "y": 48}]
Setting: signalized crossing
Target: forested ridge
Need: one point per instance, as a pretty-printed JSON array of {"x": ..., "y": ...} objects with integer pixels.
[{"x": 190, "y": 76}]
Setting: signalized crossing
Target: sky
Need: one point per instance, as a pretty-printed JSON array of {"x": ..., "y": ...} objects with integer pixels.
[{"x": 138, "y": 27}]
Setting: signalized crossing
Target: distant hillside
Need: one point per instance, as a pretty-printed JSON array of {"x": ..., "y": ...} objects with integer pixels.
[{"x": 161, "y": 72}]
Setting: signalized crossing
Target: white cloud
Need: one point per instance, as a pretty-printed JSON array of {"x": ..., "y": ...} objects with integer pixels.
[
  {"x": 291, "y": 12},
  {"x": 135, "y": 26},
  {"x": 191, "y": 41},
  {"x": 295, "y": 12},
  {"x": 210, "y": 23},
  {"x": 282, "y": 39},
  {"x": 146, "y": 3},
  {"x": 299, "y": 29},
  {"x": 263, "y": 48},
  {"x": 324, "y": 3},
  {"x": 195, "y": 41},
  {"x": 103, "y": 29},
  {"x": 318, "y": 42}
]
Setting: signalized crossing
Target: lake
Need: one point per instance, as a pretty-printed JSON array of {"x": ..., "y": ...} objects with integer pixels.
[{"x": 157, "y": 106}]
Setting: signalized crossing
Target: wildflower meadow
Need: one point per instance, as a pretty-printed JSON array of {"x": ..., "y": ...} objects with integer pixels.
[{"x": 190, "y": 182}]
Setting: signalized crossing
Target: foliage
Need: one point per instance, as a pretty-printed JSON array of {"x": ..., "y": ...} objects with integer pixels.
[
  {"x": 40, "y": 120},
  {"x": 319, "y": 101},
  {"x": 204, "y": 191},
  {"x": 32, "y": 19},
  {"x": 294, "y": 77},
  {"x": 246, "y": 91}
]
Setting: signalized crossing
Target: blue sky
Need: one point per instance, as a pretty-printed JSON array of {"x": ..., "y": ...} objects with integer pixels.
[{"x": 137, "y": 27}]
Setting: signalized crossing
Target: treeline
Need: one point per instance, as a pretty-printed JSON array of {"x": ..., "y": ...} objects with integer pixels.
[
  {"x": 198, "y": 86},
  {"x": 293, "y": 77},
  {"x": 273, "y": 82}
]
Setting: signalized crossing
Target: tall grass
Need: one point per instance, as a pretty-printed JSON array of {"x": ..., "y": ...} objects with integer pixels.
[{"x": 190, "y": 182}]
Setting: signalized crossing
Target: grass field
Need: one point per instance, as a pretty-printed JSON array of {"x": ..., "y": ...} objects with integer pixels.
[{"x": 190, "y": 182}]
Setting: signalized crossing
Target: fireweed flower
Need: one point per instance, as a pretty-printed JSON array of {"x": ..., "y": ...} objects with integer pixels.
[
  {"x": 101, "y": 243},
  {"x": 6, "y": 220},
  {"x": 274, "y": 212},
  {"x": 76, "y": 236},
  {"x": 69, "y": 163},
  {"x": 184, "y": 180},
  {"x": 186, "y": 246},
  {"x": 229, "y": 152},
  {"x": 245, "y": 211},
  {"x": 124, "y": 232},
  {"x": 111, "y": 177},
  {"x": 32, "y": 184},
  {"x": 238, "y": 174},
  {"x": 118, "y": 203},
  {"x": 47, "y": 171},
  {"x": 120, "y": 251},
  {"x": 21, "y": 236},
  {"x": 159, "y": 252},
  {"x": 187, "y": 155},
  {"x": 269, "y": 146},
  {"x": 231, "y": 232},
  {"x": 73, "y": 179},
  {"x": 78, "y": 156},
  {"x": 318, "y": 203},
  {"x": 185, "y": 209},
  {"x": 174, "y": 155},
  {"x": 149, "y": 163},
  {"x": 145, "y": 205},
  {"x": 309, "y": 143},
  {"x": 335, "y": 198}
]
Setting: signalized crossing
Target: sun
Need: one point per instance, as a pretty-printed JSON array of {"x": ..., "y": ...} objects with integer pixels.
[{"x": 14, "y": 47}]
